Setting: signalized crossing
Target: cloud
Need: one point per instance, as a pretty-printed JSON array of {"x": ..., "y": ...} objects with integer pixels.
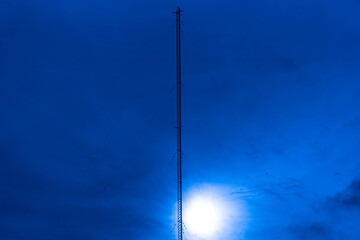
[
  {"x": 337, "y": 217},
  {"x": 349, "y": 199},
  {"x": 95, "y": 199},
  {"x": 315, "y": 230}
]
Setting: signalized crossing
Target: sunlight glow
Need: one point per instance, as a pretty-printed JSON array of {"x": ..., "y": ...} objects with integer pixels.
[
  {"x": 213, "y": 211},
  {"x": 202, "y": 217}
]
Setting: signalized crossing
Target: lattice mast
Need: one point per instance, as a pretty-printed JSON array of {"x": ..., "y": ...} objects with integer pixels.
[{"x": 179, "y": 126}]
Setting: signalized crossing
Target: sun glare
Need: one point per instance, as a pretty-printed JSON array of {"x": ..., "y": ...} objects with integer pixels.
[
  {"x": 213, "y": 211},
  {"x": 202, "y": 217}
]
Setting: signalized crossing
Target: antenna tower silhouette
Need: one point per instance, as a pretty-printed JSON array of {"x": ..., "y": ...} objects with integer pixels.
[{"x": 179, "y": 126}]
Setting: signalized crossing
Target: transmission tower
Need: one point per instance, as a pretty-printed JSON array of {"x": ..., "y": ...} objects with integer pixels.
[{"x": 179, "y": 126}]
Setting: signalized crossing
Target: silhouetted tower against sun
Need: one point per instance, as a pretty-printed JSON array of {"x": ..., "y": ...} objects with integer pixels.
[{"x": 179, "y": 126}]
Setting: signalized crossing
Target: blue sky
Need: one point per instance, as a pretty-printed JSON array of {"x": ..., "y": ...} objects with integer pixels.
[{"x": 271, "y": 114}]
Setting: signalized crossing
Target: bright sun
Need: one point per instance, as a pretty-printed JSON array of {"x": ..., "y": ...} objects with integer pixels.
[
  {"x": 202, "y": 217},
  {"x": 213, "y": 212}
]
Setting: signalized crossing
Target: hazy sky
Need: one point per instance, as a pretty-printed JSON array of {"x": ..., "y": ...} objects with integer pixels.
[{"x": 271, "y": 117}]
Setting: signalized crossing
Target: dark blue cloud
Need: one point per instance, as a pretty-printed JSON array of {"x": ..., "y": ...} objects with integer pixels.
[
  {"x": 336, "y": 217},
  {"x": 313, "y": 230},
  {"x": 349, "y": 199}
]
